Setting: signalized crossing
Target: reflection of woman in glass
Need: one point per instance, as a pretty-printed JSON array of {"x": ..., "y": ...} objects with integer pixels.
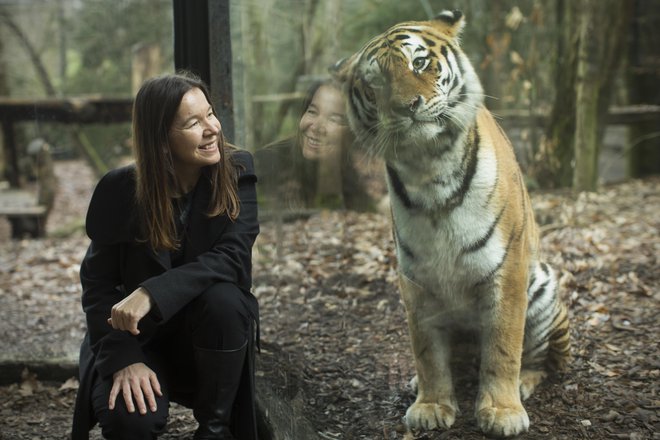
[
  {"x": 323, "y": 127},
  {"x": 316, "y": 168},
  {"x": 166, "y": 279}
]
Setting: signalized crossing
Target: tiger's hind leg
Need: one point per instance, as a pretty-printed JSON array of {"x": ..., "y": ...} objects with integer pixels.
[
  {"x": 529, "y": 379},
  {"x": 435, "y": 405},
  {"x": 547, "y": 341}
]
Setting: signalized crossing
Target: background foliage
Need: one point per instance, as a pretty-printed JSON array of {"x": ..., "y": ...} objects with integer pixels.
[{"x": 86, "y": 47}]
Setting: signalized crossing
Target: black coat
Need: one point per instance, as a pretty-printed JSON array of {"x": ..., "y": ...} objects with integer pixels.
[{"x": 215, "y": 250}]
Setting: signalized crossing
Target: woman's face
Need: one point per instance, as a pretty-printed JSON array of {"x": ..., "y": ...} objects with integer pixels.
[
  {"x": 194, "y": 135},
  {"x": 323, "y": 125}
]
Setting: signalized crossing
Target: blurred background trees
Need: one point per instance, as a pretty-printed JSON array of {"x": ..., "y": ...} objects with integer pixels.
[
  {"x": 542, "y": 62},
  {"x": 68, "y": 48}
]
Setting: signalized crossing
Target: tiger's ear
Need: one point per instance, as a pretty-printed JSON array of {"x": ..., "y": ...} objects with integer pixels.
[
  {"x": 450, "y": 23},
  {"x": 341, "y": 71}
]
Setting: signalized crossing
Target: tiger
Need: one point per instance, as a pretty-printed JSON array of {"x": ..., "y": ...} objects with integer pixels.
[{"x": 466, "y": 239}]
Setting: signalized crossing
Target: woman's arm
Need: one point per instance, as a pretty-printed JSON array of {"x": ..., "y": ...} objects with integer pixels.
[
  {"x": 107, "y": 225},
  {"x": 118, "y": 353},
  {"x": 228, "y": 260},
  {"x": 99, "y": 275}
]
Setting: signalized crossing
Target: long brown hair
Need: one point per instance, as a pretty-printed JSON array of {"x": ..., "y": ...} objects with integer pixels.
[{"x": 154, "y": 109}]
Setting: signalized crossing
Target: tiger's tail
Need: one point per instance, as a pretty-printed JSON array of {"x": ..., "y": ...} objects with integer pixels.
[{"x": 547, "y": 337}]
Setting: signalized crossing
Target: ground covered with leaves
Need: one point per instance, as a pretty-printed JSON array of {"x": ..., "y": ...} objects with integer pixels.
[{"x": 329, "y": 305}]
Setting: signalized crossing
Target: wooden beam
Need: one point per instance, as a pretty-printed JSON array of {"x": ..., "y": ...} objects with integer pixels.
[
  {"x": 278, "y": 97},
  {"x": 77, "y": 110},
  {"x": 634, "y": 114},
  {"x": 103, "y": 110}
]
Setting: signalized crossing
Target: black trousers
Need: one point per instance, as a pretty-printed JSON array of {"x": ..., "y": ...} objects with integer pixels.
[{"x": 218, "y": 319}]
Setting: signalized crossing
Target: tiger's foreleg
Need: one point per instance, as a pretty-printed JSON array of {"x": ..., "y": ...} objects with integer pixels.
[
  {"x": 435, "y": 406},
  {"x": 498, "y": 409}
]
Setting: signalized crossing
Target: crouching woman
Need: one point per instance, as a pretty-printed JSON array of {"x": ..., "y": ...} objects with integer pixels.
[{"x": 166, "y": 279}]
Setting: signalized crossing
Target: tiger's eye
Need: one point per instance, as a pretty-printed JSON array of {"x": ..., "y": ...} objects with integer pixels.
[{"x": 419, "y": 63}]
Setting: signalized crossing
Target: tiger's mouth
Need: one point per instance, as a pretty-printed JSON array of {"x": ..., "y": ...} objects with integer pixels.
[
  {"x": 410, "y": 130},
  {"x": 402, "y": 123}
]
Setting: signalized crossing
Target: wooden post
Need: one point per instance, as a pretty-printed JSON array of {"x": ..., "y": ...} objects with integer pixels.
[
  {"x": 587, "y": 88},
  {"x": 602, "y": 31},
  {"x": 12, "y": 171},
  {"x": 146, "y": 62}
]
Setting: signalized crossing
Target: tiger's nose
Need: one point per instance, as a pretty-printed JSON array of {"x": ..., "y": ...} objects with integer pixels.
[
  {"x": 416, "y": 103},
  {"x": 409, "y": 109}
]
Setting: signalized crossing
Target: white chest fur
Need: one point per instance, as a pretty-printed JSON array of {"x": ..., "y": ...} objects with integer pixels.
[{"x": 434, "y": 247}]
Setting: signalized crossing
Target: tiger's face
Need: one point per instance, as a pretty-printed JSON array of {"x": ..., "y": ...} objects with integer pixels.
[{"x": 412, "y": 82}]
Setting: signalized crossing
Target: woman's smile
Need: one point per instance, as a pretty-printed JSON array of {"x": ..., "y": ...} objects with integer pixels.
[
  {"x": 323, "y": 124},
  {"x": 314, "y": 142},
  {"x": 210, "y": 147}
]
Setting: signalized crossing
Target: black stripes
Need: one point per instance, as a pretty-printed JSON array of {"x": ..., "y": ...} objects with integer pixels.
[
  {"x": 406, "y": 250},
  {"x": 561, "y": 329},
  {"x": 499, "y": 265},
  {"x": 546, "y": 326},
  {"x": 444, "y": 51},
  {"x": 359, "y": 103},
  {"x": 399, "y": 188},
  {"x": 376, "y": 48},
  {"x": 532, "y": 280},
  {"x": 471, "y": 154},
  {"x": 493, "y": 189},
  {"x": 545, "y": 269},
  {"x": 542, "y": 329},
  {"x": 481, "y": 242},
  {"x": 537, "y": 293},
  {"x": 402, "y": 246}
]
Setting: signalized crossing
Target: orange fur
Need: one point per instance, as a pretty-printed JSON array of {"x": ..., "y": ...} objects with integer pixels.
[{"x": 467, "y": 242}]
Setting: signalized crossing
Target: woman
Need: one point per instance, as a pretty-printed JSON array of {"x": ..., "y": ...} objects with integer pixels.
[
  {"x": 323, "y": 129},
  {"x": 316, "y": 168},
  {"x": 166, "y": 279}
]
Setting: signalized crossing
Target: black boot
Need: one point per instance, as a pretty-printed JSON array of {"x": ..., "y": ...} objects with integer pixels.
[{"x": 218, "y": 377}]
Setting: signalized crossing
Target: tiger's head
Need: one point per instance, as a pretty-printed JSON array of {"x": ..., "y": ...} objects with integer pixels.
[{"x": 411, "y": 84}]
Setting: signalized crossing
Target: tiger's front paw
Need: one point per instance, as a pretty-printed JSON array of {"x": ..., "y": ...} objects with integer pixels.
[
  {"x": 503, "y": 422},
  {"x": 430, "y": 416}
]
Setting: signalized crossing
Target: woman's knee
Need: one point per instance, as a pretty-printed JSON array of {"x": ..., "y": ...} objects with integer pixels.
[
  {"x": 219, "y": 318},
  {"x": 132, "y": 426},
  {"x": 118, "y": 423},
  {"x": 221, "y": 303}
]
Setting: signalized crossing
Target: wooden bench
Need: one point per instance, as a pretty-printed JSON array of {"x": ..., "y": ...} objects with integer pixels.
[{"x": 26, "y": 215}]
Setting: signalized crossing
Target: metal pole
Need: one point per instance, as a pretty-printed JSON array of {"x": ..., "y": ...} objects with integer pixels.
[
  {"x": 202, "y": 44},
  {"x": 220, "y": 61}
]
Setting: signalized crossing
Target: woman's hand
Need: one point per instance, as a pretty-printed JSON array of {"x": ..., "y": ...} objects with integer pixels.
[
  {"x": 126, "y": 314},
  {"x": 136, "y": 382}
]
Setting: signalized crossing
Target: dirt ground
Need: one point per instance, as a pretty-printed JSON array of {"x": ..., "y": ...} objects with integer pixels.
[{"x": 326, "y": 286}]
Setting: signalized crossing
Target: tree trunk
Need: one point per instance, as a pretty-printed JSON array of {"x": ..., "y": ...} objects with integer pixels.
[
  {"x": 586, "y": 102},
  {"x": 32, "y": 53},
  {"x": 553, "y": 165},
  {"x": 83, "y": 145},
  {"x": 589, "y": 48},
  {"x": 602, "y": 30},
  {"x": 498, "y": 44},
  {"x": 642, "y": 80}
]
